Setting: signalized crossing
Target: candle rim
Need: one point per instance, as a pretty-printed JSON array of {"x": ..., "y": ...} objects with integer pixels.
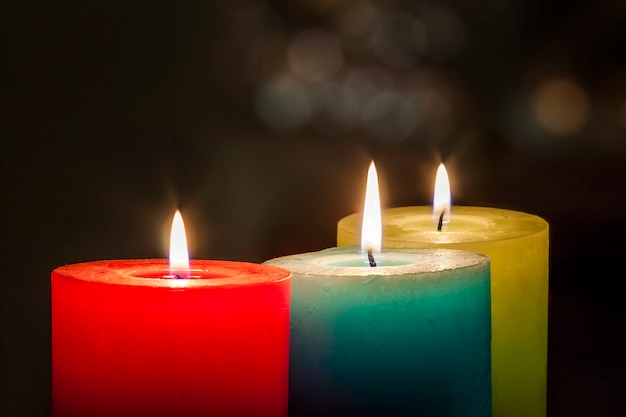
[
  {"x": 536, "y": 224},
  {"x": 145, "y": 273},
  {"x": 426, "y": 262}
]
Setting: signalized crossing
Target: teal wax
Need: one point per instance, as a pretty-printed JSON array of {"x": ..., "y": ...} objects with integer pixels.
[{"x": 409, "y": 337}]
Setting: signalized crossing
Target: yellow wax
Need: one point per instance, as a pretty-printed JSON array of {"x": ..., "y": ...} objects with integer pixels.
[{"x": 517, "y": 244}]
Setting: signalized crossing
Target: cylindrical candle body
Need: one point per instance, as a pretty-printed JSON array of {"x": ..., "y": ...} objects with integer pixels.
[
  {"x": 517, "y": 244},
  {"x": 127, "y": 343},
  {"x": 409, "y": 337}
]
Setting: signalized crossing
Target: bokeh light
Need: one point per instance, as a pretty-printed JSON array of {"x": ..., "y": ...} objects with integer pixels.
[
  {"x": 355, "y": 23},
  {"x": 428, "y": 73},
  {"x": 399, "y": 40},
  {"x": 315, "y": 55},
  {"x": 336, "y": 102},
  {"x": 389, "y": 116},
  {"x": 284, "y": 103},
  {"x": 561, "y": 107}
]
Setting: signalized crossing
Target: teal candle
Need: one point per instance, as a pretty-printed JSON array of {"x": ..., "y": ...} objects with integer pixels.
[{"x": 409, "y": 337}]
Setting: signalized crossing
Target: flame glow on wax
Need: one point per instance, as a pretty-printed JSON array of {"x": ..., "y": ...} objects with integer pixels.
[
  {"x": 179, "y": 254},
  {"x": 371, "y": 229},
  {"x": 441, "y": 198}
]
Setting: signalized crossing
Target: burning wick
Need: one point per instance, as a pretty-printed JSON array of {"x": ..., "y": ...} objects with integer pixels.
[
  {"x": 177, "y": 276},
  {"x": 370, "y": 257},
  {"x": 440, "y": 223}
]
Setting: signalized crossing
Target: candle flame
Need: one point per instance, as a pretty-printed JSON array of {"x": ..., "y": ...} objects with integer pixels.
[
  {"x": 179, "y": 255},
  {"x": 441, "y": 199},
  {"x": 371, "y": 230}
]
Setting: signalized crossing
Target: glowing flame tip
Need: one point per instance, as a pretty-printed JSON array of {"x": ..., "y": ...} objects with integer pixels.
[
  {"x": 441, "y": 199},
  {"x": 179, "y": 255},
  {"x": 371, "y": 229}
]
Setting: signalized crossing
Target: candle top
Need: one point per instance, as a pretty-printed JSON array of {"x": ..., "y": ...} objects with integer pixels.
[
  {"x": 350, "y": 261},
  {"x": 154, "y": 272},
  {"x": 467, "y": 224}
]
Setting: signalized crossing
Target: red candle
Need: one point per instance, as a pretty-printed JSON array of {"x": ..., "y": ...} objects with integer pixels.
[{"x": 130, "y": 339}]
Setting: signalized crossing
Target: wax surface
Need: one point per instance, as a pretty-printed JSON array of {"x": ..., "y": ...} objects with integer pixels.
[
  {"x": 517, "y": 244},
  {"x": 411, "y": 339},
  {"x": 124, "y": 345}
]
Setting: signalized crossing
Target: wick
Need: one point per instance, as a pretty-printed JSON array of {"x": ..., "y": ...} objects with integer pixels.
[
  {"x": 440, "y": 223},
  {"x": 370, "y": 257},
  {"x": 178, "y": 276}
]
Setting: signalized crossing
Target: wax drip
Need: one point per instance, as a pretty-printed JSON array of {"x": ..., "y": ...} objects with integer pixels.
[{"x": 370, "y": 257}]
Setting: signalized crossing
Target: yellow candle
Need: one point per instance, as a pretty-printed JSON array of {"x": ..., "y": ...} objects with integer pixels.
[{"x": 517, "y": 244}]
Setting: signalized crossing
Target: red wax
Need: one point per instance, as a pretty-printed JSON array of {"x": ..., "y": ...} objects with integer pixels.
[{"x": 128, "y": 343}]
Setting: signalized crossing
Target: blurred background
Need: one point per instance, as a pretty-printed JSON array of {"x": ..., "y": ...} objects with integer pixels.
[{"x": 258, "y": 120}]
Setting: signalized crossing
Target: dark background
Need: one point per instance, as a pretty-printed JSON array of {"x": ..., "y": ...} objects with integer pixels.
[{"x": 258, "y": 120}]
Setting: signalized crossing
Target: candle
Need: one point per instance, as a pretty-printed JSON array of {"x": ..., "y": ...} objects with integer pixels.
[
  {"x": 517, "y": 244},
  {"x": 409, "y": 336},
  {"x": 151, "y": 338}
]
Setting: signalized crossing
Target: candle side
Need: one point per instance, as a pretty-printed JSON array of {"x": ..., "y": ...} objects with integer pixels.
[
  {"x": 518, "y": 245},
  {"x": 409, "y": 339},
  {"x": 127, "y": 344}
]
